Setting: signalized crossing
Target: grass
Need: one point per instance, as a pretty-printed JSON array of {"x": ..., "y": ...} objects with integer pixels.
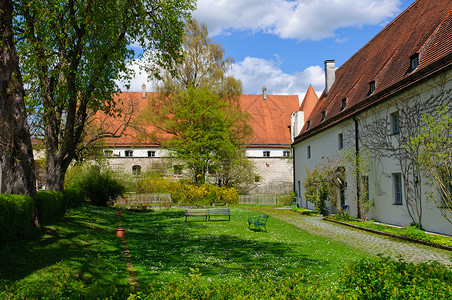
[
  {"x": 164, "y": 246},
  {"x": 81, "y": 255}
]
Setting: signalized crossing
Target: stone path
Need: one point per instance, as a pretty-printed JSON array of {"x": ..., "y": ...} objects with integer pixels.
[{"x": 366, "y": 241}]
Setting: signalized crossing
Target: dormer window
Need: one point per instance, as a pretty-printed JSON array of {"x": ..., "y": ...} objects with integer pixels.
[
  {"x": 323, "y": 116},
  {"x": 371, "y": 88},
  {"x": 343, "y": 104},
  {"x": 414, "y": 62},
  {"x": 309, "y": 125}
]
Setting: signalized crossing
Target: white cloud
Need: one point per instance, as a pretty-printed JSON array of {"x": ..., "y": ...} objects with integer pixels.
[
  {"x": 257, "y": 72},
  {"x": 296, "y": 19}
]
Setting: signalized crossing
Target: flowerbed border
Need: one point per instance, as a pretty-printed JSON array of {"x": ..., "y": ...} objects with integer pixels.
[{"x": 397, "y": 236}]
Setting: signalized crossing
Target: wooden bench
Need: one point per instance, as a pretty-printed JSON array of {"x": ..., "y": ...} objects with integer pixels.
[
  {"x": 198, "y": 212},
  {"x": 258, "y": 222},
  {"x": 219, "y": 212}
]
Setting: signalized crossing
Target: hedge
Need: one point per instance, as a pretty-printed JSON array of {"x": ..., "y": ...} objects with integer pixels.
[
  {"x": 15, "y": 216},
  {"x": 73, "y": 197},
  {"x": 50, "y": 206}
]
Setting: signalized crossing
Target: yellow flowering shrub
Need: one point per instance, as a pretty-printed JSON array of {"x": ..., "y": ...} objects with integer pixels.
[{"x": 184, "y": 193}]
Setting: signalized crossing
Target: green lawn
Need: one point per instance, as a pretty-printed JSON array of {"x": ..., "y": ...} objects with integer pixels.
[
  {"x": 164, "y": 246},
  {"x": 82, "y": 255}
]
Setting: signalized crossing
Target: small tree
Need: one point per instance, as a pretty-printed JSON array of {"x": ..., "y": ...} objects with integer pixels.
[
  {"x": 435, "y": 157},
  {"x": 358, "y": 167},
  {"x": 316, "y": 190}
]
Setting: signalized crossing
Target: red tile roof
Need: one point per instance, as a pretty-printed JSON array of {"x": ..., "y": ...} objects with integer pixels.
[
  {"x": 309, "y": 102},
  {"x": 425, "y": 29},
  {"x": 270, "y": 120}
]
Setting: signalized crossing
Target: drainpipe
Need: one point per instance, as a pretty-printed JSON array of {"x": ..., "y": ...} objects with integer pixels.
[
  {"x": 293, "y": 172},
  {"x": 358, "y": 192}
]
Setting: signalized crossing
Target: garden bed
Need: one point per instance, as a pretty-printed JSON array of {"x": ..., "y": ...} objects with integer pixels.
[{"x": 409, "y": 233}]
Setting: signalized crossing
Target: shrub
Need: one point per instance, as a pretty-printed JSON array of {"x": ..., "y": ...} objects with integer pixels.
[
  {"x": 184, "y": 193},
  {"x": 15, "y": 216},
  {"x": 396, "y": 279},
  {"x": 50, "y": 206},
  {"x": 73, "y": 197},
  {"x": 101, "y": 187}
]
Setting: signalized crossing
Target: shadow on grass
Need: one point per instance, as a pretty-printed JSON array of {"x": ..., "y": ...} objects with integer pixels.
[
  {"x": 163, "y": 245},
  {"x": 82, "y": 244}
]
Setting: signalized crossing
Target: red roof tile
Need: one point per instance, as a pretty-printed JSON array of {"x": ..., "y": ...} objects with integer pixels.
[
  {"x": 270, "y": 119},
  {"x": 309, "y": 102},
  {"x": 425, "y": 28}
]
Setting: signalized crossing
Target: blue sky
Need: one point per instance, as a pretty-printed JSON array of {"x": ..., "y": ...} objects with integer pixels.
[{"x": 283, "y": 44}]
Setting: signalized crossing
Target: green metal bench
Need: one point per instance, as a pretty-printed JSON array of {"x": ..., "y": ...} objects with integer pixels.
[{"x": 258, "y": 223}]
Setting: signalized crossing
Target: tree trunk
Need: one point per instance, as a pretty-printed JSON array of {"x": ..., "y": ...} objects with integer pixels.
[
  {"x": 55, "y": 170},
  {"x": 16, "y": 153}
]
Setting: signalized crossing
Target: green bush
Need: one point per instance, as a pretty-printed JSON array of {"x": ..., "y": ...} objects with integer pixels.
[
  {"x": 15, "y": 216},
  {"x": 101, "y": 187},
  {"x": 73, "y": 197},
  {"x": 183, "y": 193},
  {"x": 396, "y": 279},
  {"x": 50, "y": 206}
]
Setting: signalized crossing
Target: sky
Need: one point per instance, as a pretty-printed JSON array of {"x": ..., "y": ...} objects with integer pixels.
[{"x": 282, "y": 44}]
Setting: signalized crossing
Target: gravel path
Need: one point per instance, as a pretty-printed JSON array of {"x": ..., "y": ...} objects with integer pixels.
[{"x": 366, "y": 241}]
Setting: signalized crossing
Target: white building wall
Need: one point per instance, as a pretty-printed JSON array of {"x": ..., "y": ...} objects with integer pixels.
[
  {"x": 325, "y": 145},
  {"x": 273, "y": 165}
]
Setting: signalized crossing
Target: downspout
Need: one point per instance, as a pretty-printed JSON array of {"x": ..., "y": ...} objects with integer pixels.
[
  {"x": 358, "y": 192},
  {"x": 293, "y": 172}
]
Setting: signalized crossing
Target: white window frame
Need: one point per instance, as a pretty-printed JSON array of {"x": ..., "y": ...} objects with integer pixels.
[{"x": 397, "y": 188}]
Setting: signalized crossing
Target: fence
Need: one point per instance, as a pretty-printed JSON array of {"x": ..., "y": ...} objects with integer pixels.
[
  {"x": 265, "y": 199},
  {"x": 144, "y": 199}
]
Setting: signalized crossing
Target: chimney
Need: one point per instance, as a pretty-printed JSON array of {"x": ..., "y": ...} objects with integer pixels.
[
  {"x": 264, "y": 93},
  {"x": 143, "y": 91},
  {"x": 329, "y": 75}
]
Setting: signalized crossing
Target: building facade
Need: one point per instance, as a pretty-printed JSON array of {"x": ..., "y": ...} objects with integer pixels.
[
  {"x": 269, "y": 150},
  {"x": 372, "y": 105}
]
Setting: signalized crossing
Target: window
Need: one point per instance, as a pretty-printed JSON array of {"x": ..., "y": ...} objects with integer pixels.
[
  {"x": 309, "y": 152},
  {"x": 108, "y": 152},
  {"x": 151, "y": 153},
  {"x": 414, "y": 62},
  {"x": 395, "y": 122},
  {"x": 136, "y": 170},
  {"x": 340, "y": 141},
  {"x": 266, "y": 153},
  {"x": 397, "y": 186},
  {"x": 365, "y": 189},
  {"x": 286, "y": 153},
  {"x": 309, "y": 125},
  {"x": 177, "y": 170},
  {"x": 257, "y": 179},
  {"x": 445, "y": 189},
  {"x": 323, "y": 116},
  {"x": 371, "y": 88},
  {"x": 128, "y": 153},
  {"x": 343, "y": 104}
]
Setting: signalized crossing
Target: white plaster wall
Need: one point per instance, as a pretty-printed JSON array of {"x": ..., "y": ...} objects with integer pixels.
[
  {"x": 275, "y": 171},
  {"x": 325, "y": 144}
]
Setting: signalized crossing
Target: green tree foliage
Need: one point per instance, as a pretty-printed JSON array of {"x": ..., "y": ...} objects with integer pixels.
[
  {"x": 316, "y": 189},
  {"x": 197, "y": 113},
  {"x": 435, "y": 157},
  {"x": 74, "y": 51},
  {"x": 358, "y": 168}
]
